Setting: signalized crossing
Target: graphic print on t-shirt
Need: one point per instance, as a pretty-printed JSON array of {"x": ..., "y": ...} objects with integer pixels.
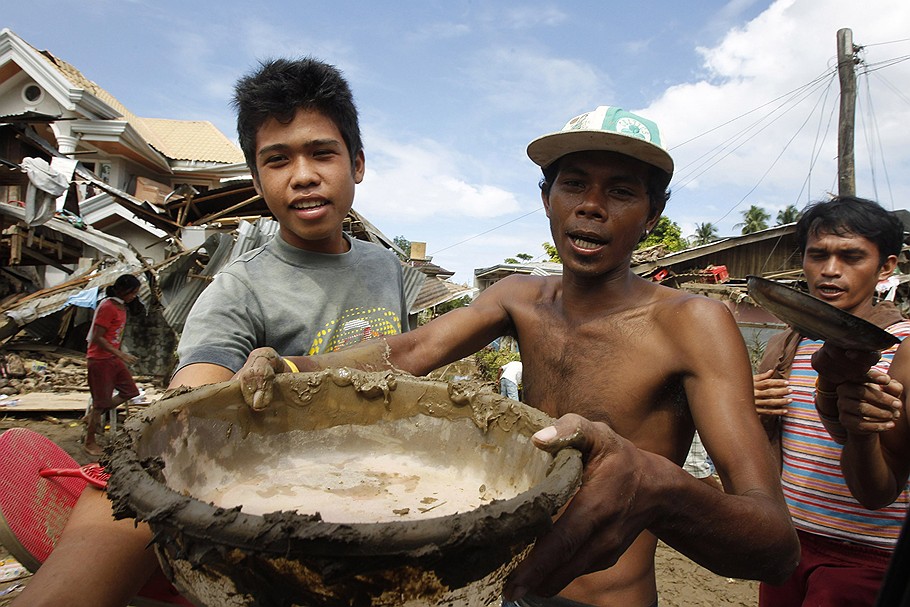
[{"x": 353, "y": 326}]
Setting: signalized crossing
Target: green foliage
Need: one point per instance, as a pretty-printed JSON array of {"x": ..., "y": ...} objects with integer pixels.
[
  {"x": 489, "y": 361},
  {"x": 552, "y": 253},
  {"x": 704, "y": 233},
  {"x": 754, "y": 220},
  {"x": 429, "y": 314},
  {"x": 404, "y": 244},
  {"x": 756, "y": 347},
  {"x": 790, "y": 214},
  {"x": 524, "y": 257},
  {"x": 448, "y": 306},
  {"x": 667, "y": 233}
]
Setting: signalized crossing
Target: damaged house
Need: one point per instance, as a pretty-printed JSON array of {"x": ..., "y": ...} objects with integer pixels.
[{"x": 88, "y": 191}]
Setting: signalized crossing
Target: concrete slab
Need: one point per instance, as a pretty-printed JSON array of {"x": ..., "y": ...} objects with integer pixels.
[{"x": 37, "y": 402}]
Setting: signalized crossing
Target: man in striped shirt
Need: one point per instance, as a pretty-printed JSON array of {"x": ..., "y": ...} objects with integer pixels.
[{"x": 838, "y": 416}]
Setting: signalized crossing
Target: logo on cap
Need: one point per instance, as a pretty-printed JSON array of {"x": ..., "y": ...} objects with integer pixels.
[{"x": 633, "y": 128}]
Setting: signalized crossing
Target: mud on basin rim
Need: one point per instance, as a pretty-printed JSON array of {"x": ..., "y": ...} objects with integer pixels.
[{"x": 137, "y": 491}]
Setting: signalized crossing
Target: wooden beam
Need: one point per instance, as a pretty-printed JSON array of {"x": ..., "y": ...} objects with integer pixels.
[
  {"x": 214, "y": 216},
  {"x": 45, "y": 259}
]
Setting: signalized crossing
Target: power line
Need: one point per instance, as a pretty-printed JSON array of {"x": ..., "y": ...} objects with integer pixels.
[
  {"x": 877, "y": 136},
  {"x": 493, "y": 229},
  {"x": 823, "y": 75},
  {"x": 773, "y": 164},
  {"x": 725, "y": 149},
  {"x": 873, "y": 67},
  {"x": 819, "y": 144},
  {"x": 714, "y": 156},
  {"x": 899, "y": 93},
  {"x": 885, "y": 43}
]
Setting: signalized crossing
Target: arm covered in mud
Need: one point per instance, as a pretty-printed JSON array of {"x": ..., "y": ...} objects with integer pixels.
[
  {"x": 626, "y": 490},
  {"x": 445, "y": 339},
  {"x": 863, "y": 410}
]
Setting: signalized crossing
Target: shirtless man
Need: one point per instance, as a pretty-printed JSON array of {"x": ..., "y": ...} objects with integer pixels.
[{"x": 641, "y": 365}]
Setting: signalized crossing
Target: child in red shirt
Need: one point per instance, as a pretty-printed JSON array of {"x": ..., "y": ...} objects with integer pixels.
[{"x": 106, "y": 361}]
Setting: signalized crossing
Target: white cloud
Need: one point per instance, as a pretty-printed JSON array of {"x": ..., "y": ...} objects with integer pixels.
[
  {"x": 530, "y": 84},
  {"x": 532, "y": 16},
  {"x": 787, "y": 46},
  {"x": 422, "y": 179}
]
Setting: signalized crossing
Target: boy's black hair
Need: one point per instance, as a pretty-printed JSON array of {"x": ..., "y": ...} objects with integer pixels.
[
  {"x": 850, "y": 215},
  {"x": 658, "y": 180},
  {"x": 282, "y": 86}
]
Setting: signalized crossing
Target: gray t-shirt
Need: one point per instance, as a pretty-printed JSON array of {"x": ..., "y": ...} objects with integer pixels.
[{"x": 296, "y": 301}]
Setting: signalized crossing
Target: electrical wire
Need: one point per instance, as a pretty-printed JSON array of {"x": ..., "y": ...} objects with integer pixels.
[
  {"x": 710, "y": 158},
  {"x": 821, "y": 76},
  {"x": 819, "y": 144},
  {"x": 771, "y": 118},
  {"x": 886, "y": 43},
  {"x": 493, "y": 229},
  {"x": 875, "y": 133},
  {"x": 897, "y": 92}
]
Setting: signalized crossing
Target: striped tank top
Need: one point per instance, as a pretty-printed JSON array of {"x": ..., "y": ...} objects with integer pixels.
[{"x": 814, "y": 486}]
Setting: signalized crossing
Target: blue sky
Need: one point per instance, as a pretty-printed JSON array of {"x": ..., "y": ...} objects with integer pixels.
[{"x": 450, "y": 93}]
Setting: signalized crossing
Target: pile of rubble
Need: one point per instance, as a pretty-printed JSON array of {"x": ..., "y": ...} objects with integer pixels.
[
  {"x": 40, "y": 372},
  {"x": 29, "y": 371}
]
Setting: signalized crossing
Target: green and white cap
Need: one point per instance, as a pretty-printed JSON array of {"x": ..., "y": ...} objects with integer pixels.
[{"x": 606, "y": 128}]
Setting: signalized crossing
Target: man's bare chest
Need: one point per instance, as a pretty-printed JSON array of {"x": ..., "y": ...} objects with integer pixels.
[{"x": 610, "y": 374}]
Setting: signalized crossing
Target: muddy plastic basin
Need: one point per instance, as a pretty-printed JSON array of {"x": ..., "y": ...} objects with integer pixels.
[{"x": 353, "y": 488}]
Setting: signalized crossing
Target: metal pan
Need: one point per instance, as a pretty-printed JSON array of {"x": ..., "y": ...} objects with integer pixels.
[{"x": 817, "y": 319}]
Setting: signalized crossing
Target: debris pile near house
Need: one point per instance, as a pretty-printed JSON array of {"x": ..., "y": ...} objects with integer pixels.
[
  {"x": 37, "y": 371},
  {"x": 33, "y": 372}
]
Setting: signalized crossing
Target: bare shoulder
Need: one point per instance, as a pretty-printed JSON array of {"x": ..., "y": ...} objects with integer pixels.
[
  {"x": 530, "y": 284},
  {"x": 517, "y": 289},
  {"x": 681, "y": 305},
  {"x": 691, "y": 318}
]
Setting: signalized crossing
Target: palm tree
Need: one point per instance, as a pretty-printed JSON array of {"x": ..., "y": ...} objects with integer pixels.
[
  {"x": 704, "y": 233},
  {"x": 789, "y": 215},
  {"x": 754, "y": 220}
]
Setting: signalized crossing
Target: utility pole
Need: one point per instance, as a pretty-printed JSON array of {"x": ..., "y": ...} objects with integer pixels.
[{"x": 846, "y": 59}]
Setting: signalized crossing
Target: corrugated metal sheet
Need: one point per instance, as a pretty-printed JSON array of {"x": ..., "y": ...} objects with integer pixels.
[
  {"x": 39, "y": 306},
  {"x": 437, "y": 291},
  {"x": 183, "y": 288},
  {"x": 253, "y": 235},
  {"x": 414, "y": 281},
  {"x": 771, "y": 250}
]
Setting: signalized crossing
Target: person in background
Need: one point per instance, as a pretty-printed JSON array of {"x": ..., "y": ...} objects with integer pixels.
[
  {"x": 699, "y": 464},
  {"x": 837, "y": 418},
  {"x": 510, "y": 379},
  {"x": 106, "y": 360}
]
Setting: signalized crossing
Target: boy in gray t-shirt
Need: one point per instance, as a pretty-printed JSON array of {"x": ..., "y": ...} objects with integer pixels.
[
  {"x": 299, "y": 132},
  {"x": 312, "y": 288}
]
